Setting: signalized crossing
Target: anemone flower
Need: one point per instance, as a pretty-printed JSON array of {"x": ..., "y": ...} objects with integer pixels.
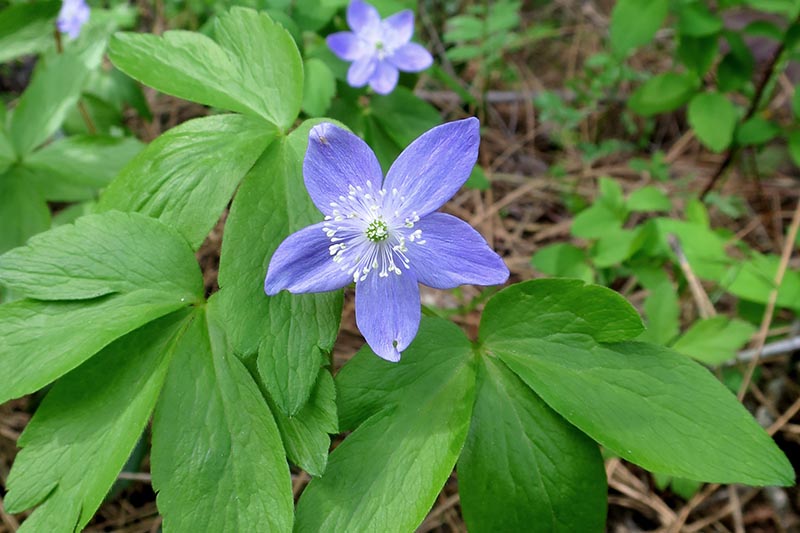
[
  {"x": 384, "y": 234},
  {"x": 73, "y": 15},
  {"x": 378, "y": 48}
]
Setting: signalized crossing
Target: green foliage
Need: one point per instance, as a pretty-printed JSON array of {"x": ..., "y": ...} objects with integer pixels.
[
  {"x": 713, "y": 118},
  {"x": 714, "y": 340},
  {"x": 26, "y": 28},
  {"x": 635, "y": 22},
  {"x": 664, "y": 92}
]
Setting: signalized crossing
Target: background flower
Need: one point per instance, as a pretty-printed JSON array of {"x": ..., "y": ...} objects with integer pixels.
[
  {"x": 73, "y": 15},
  {"x": 378, "y": 48},
  {"x": 384, "y": 234}
]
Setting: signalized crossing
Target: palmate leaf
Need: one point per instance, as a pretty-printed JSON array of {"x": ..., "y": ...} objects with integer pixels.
[
  {"x": 86, "y": 427},
  {"x": 187, "y": 176},
  {"x": 115, "y": 271},
  {"x": 253, "y": 67},
  {"x": 413, "y": 416},
  {"x": 650, "y": 405},
  {"x": 23, "y": 211},
  {"x": 54, "y": 89},
  {"x": 524, "y": 468},
  {"x": 217, "y": 459},
  {"x": 289, "y": 332}
]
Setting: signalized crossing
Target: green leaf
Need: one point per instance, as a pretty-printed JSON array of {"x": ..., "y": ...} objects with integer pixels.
[
  {"x": 27, "y": 29},
  {"x": 306, "y": 435},
  {"x": 385, "y": 475},
  {"x": 217, "y": 459},
  {"x": 319, "y": 88},
  {"x": 7, "y": 154},
  {"x": 560, "y": 306},
  {"x": 653, "y": 407},
  {"x": 81, "y": 162},
  {"x": 704, "y": 249},
  {"x": 635, "y": 22},
  {"x": 754, "y": 280},
  {"x": 289, "y": 332},
  {"x": 714, "y": 119},
  {"x": 403, "y": 115},
  {"x": 714, "y": 340},
  {"x": 55, "y": 88},
  {"x": 662, "y": 310},
  {"x": 254, "y": 66},
  {"x": 650, "y": 405},
  {"x": 563, "y": 260},
  {"x": 796, "y": 103},
  {"x": 524, "y": 468},
  {"x": 41, "y": 341},
  {"x": 665, "y": 92},
  {"x": 648, "y": 198},
  {"x": 187, "y": 176},
  {"x": 794, "y": 147},
  {"x": 617, "y": 245},
  {"x": 595, "y": 221},
  {"x": 104, "y": 254},
  {"x": 696, "y": 20},
  {"x": 86, "y": 427},
  {"x": 736, "y": 68},
  {"x": 756, "y": 131},
  {"x": 23, "y": 211},
  {"x": 698, "y": 53}
]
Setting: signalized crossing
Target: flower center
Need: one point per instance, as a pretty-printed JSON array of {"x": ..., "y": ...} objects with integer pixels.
[
  {"x": 368, "y": 234},
  {"x": 377, "y": 230}
]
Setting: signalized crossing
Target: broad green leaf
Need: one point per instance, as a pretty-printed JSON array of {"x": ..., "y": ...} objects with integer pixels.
[
  {"x": 27, "y": 28},
  {"x": 704, "y": 249},
  {"x": 713, "y": 118},
  {"x": 754, "y": 280},
  {"x": 86, "y": 427},
  {"x": 635, "y": 22},
  {"x": 595, "y": 221},
  {"x": 289, "y": 332},
  {"x": 81, "y": 161},
  {"x": 306, "y": 435},
  {"x": 385, "y": 475},
  {"x": 664, "y": 92},
  {"x": 696, "y": 20},
  {"x": 187, "y": 176},
  {"x": 403, "y": 115},
  {"x": 616, "y": 245},
  {"x": 662, "y": 310},
  {"x": 563, "y": 260},
  {"x": 55, "y": 88},
  {"x": 7, "y": 155},
  {"x": 217, "y": 459},
  {"x": 794, "y": 147},
  {"x": 41, "y": 341},
  {"x": 254, "y": 66},
  {"x": 648, "y": 198},
  {"x": 757, "y": 130},
  {"x": 652, "y": 406},
  {"x": 714, "y": 340},
  {"x": 23, "y": 211},
  {"x": 524, "y": 468},
  {"x": 698, "y": 53},
  {"x": 319, "y": 87},
  {"x": 736, "y": 68},
  {"x": 796, "y": 103},
  {"x": 103, "y": 254},
  {"x": 543, "y": 307}
]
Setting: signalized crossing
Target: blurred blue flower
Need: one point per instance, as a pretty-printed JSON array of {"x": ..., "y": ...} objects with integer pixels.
[
  {"x": 73, "y": 15},
  {"x": 378, "y": 48},
  {"x": 383, "y": 234}
]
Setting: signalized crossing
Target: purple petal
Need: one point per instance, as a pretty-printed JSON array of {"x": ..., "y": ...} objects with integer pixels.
[
  {"x": 398, "y": 29},
  {"x": 346, "y": 45},
  {"x": 361, "y": 70},
  {"x": 411, "y": 57},
  {"x": 362, "y": 16},
  {"x": 453, "y": 254},
  {"x": 388, "y": 313},
  {"x": 336, "y": 159},
  {"x": 434, "y": 166},
  {"x": 385, "y": 78},
  {"x": 303, "y": 264}
]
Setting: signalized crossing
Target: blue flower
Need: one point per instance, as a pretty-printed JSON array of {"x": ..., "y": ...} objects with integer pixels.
[
  {"x": 73, "y": 15},
  {"x": 378, "y": 48},
  {"x": 383, "y": 234}
]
